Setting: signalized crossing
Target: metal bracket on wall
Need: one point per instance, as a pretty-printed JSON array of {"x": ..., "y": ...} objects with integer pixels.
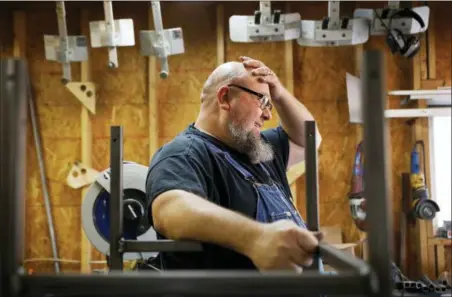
[{"x": 85, "y": 93}]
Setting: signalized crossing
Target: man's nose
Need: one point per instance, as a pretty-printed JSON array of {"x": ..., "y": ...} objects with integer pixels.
[{"x": 266, "y": 114}]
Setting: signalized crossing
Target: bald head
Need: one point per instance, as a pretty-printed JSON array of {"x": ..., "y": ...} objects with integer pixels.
[{"x": 223, "y": 74}]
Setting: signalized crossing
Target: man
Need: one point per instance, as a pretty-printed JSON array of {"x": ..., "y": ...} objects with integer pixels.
[{"x": 223, "y": 182}]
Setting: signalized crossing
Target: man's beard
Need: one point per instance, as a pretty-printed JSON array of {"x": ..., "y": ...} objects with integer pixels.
[{"x": 247, "y": 143}]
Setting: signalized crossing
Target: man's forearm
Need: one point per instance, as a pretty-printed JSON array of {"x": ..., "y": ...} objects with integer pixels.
[
  {"x": 293, "y": 115},
  {"x": 180, "y": 215}
]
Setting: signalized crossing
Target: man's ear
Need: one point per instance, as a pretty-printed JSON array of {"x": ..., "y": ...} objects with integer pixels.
[{"x": 223, "y": 98}]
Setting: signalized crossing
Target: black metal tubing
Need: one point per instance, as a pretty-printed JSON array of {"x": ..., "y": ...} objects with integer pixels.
[
  {"x": 312, "y": 185},
  {"x": 342, "y": 260},
  {"x": 195, "y": 283},
  {"x": 116, "y": 197},
  {"x": 377, "y": 177},
  {"x": 160, "y": 246},
  {"x": 13, "y": 131}
]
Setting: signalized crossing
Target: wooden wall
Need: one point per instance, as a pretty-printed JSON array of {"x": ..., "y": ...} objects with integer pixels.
[{"x": 122, "y": 99}]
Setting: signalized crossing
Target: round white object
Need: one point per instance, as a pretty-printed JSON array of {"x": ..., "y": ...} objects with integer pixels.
[{"x": 134, "y": 178}]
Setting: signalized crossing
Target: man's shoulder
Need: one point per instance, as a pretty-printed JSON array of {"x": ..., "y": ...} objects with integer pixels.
[{"x": 185, "y": 145}]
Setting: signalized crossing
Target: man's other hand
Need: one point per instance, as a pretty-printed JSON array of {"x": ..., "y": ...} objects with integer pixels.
[{"x": 283, "y": 245}]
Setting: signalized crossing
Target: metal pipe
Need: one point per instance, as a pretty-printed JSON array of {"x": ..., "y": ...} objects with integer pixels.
[
  {"x": 43, "y": 175},
  {"x": 158, "y": 27},
  {"x": 312, "y": 185},
  {"x": 13, "y": 131},
  {"x": 196, "y": 283},
  {"x": 111, "y": 32},
  {"x": 377, "y": 177},
  {"x": 116, "y": 196},
  {"x": 342, "y": 261},
  {"x": 162, "y": 245}
]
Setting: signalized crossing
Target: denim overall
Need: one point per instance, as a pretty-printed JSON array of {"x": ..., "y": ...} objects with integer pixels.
[{"x": 272, "y": 205}]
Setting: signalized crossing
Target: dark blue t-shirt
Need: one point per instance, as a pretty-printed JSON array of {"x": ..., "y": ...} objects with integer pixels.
[{"x": 186, "y": 163}]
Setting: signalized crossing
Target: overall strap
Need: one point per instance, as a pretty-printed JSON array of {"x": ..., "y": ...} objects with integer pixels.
[{"x": 245, "y": 173}]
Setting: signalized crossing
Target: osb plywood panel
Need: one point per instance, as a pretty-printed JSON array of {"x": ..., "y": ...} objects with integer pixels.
[
  {"x": 59, "y": 129},
  {"x": 319, "y": 74},
  {"x": 179, "y": 95},
  {"x": 121, "y": 92},
  {"x": 38, "y": 245},
  {"x": 448, "y": 259},
  {"x": 120, "y": 96}
]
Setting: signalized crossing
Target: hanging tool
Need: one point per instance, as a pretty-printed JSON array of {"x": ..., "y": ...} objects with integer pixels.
[
  {"x": 422, "y": 207},
  {"x": 356, "y": 200},
  {"x": 266, "y": 25},
  {"x": 333, "y": 30},
  {"x": 111, "y": 33},
  {"x": 63, "y": 48},
  {"x": 160, "y": 42}
]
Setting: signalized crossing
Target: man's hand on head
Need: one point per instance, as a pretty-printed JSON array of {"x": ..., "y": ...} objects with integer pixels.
[{"x": 265, "y": 75}]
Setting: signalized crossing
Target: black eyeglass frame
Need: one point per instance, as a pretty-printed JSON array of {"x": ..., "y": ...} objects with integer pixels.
[{"x": 265, "y": 101}]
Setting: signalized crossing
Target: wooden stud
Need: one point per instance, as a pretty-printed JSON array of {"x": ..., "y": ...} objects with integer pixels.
[
  {"x": 20, "y": 34},
  {"x": 294, "y": 173},
  {"x": 432, "y": 84},
  {"x": 152, "y": 97},
  {"x": 220, "y": 34},
  {"x": 87, "y": 138},
  {"x": 423, "y": 58},
  {"x": 431, "y": 58},
  {"x": 424, "y": 229},
  {"x": 440, "y": 260}
]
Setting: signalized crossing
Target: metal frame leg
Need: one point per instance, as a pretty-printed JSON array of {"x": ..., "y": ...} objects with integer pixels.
[
  {"x": 312, "y": 184},
  {"x": 13, "y": 132},
  {"x": 116, "y": 197},
  {"x": 377, "y": 177}
]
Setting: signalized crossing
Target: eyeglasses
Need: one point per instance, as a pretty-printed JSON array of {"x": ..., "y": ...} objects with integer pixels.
[{"x": 264, "y": 100}]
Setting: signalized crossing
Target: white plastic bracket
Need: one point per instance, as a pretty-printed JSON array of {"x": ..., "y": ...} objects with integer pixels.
[
  {"x": 81, "y": 175},
  {"x": 85, "y": 93}
]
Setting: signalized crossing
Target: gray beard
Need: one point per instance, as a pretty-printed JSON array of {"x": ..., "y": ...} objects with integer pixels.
[{"x": 255, "y": 148}]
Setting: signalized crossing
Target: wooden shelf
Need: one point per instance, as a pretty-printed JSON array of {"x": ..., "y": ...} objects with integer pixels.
[{"x": 440, "y": 241}]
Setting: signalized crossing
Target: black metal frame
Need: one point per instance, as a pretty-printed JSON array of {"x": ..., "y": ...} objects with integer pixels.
[{"x": 354, "y": 278}]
